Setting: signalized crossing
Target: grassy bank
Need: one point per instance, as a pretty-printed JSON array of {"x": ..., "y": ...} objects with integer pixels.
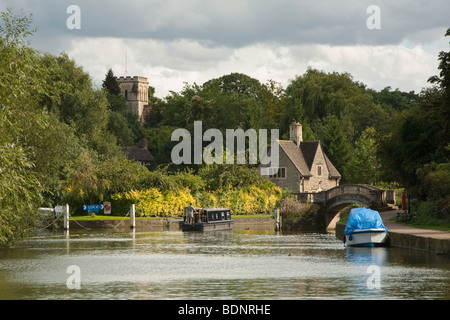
[
  {"x": 425, "y": 217},
  {"x": 102, "y": 217}
]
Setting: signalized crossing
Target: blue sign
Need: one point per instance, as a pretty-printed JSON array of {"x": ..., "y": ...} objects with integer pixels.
[{"x": 93, "y": 207}]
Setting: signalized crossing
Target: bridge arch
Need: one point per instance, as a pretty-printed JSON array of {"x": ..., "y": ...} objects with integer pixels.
[{"x": 332, "y": 201}]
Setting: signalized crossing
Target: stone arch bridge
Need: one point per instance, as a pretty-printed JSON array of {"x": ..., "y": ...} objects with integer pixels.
[{"x": 334, "y": 200}]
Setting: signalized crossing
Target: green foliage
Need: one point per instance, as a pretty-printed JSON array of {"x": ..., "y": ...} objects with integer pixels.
[
  {"x": 317, "y": 94},
  {"x": 291, "y": 208},
  {"x": 435, "y": 186},
  {"x": 20, "y": 189},
  {"x": 95, "y": 179},
  {"x": 159, "y": 142},
  {"x": 54, "y": 150},
  {"x": 229, "y": 176},
  {"x": 122, "y": 124},
  {"x": 60, "y": 136},
  {"x": 70, "y": 95},
  {"x": 394, "y": 100},
  {"x": 427, "y": 216},
  {"x": 164, "y": 193},
  {"x": 119, "y": 126},
  {"x": 223, "y": 103},
  {"x": 421, "y": 135},
  {"x": 335, "y": 141},
  {"x": 364, "y": 166},
  {"x": 19, "y": 193},
  {"x": 418, "y": 149},
  {"x": 110, "y": 83},
  {"x": 162, "y": 203}
]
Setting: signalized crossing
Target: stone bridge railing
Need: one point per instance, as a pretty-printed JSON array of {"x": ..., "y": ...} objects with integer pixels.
[
  {"x": 367, "y": 195},
  {"x": 333, "y": 200}
]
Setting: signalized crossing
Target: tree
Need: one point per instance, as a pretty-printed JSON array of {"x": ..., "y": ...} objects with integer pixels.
[
  {"x": 20, "y": 189},
  {"x": 110, "y": 83},
  {"x": 316, "y": 95},
  {"x": 122, "y": 124},
  {"x": 119, "y": 126},
  {"x": 239, "y": 100},
  {"x": 160, "y": 144},
  {"x": 334, "y": 137},
  {"x": 53, "y": 150},
  {"x": 364, "y": 166},
  {"x": 441, "y": 109},
  {"x": 233, "y": 176},
  {"x": 394, "y": 100},
  {"x": 420, "y": 135}
]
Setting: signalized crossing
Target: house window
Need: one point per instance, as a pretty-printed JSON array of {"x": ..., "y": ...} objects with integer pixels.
[
  {"x": 126, "y": 94},
  {"x": 277, "y": 173},
  {"x": 319, "y": 170}
]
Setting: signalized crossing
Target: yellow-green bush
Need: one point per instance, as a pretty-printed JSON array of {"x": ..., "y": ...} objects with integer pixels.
[{"x": 153, "y": 202}]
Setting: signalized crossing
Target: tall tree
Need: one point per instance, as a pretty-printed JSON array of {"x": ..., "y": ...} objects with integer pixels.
[
  {"x": 335, "y": 141},
  {"x": 364, "y": 165},
  {"x": 421, "y": 135},
  {"x": 20, "y": 189},
  {"x": 316, "y": 95},
  {"x": 110, "y": 83}
]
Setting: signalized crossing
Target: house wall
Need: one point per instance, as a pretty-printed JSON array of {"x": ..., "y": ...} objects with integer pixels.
[
  {"x": 292, "y": 180},
  {"x": 320, "y": 182}
]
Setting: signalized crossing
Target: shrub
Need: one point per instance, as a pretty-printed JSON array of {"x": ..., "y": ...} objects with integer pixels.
[
  {"x": 293, "y": 209},
  {"x": 157, "y": 203}
]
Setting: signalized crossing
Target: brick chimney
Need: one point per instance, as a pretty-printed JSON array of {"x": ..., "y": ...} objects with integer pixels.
[
  {"x": 144, "y": 144},
  {"x": 295, "y": 132}
]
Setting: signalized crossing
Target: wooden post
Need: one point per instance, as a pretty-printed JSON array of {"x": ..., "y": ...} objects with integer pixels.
[
  {"x": 132, "y": 216},
  {"x": 277, "y": 219},
  {"x": 66, "y": 217}
]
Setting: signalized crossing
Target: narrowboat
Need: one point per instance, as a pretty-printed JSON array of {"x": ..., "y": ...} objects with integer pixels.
[
  {"x": 209, "y": 219},
  {"x": 365, "y": 228}
]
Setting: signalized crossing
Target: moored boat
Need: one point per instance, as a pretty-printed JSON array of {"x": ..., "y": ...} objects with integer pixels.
[
  {"x": 209, "y": 219},
  {"x": 365, "y": 228}
]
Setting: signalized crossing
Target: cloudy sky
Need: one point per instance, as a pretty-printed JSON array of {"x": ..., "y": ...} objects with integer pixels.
[{"x": 175, "y": 41}]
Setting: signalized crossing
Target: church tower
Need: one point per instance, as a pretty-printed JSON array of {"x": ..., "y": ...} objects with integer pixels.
[{"x": 135, "y": 91}]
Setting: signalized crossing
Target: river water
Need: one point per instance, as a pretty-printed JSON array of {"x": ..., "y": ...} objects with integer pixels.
[{"x": 245, "y": 263}]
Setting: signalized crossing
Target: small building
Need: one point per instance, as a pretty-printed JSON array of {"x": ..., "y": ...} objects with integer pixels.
[
  {"x": 140, "y": 154},
  {"x": 303, "y": 166}
]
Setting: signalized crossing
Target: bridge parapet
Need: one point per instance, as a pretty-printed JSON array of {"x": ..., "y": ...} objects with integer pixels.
[
  {"x": 350, "y": 193},
  {"x": 333, "y": 200}
]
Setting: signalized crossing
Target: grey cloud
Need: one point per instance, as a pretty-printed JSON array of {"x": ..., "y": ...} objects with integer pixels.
[{"x": 241, "y": 22}]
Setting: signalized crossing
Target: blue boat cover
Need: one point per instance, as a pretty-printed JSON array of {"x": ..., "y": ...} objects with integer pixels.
[{"x": 363, "y": 218}]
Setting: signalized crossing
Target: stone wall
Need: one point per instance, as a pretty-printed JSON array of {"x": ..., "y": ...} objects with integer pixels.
[
  {"x": 292, "y": 178},
  {"x": 408, "y": 241},
  {"x": 320, "y": 182}
]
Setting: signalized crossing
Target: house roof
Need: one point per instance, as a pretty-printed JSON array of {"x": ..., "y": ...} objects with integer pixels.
[
  {"x": 295, "y": 155},
  {"x": 138, "y": 154},
  {"x": 303, "y": 157},
  {"x": 334, "y": 173},
  {"x": 309, "y": 150}
]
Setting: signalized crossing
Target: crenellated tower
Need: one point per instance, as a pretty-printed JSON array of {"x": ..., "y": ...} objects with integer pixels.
[{"x": 135, "y": 91}]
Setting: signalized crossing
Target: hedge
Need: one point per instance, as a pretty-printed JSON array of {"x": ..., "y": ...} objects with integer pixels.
[{"x": 156, "y": 203}]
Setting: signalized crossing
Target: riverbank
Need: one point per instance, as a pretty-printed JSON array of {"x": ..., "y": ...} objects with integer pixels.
[
  {"x": 144, "y": 223},
  {"x": 409, "y": 237},
  {"x": 400, "y": 235}
]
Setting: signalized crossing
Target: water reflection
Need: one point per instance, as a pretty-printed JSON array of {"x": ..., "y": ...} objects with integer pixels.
[
  {"x": 367, "y": 255},
  {"x": 244, "y": 263}
]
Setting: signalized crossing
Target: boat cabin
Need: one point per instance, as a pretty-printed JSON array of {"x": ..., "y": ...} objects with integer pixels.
[
  {"x": 209, "y": 218},
  {"x": 214, "y": 214}
]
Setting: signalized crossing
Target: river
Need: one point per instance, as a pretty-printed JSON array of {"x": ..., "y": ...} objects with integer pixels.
[{"x": 245, "y": 263}]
